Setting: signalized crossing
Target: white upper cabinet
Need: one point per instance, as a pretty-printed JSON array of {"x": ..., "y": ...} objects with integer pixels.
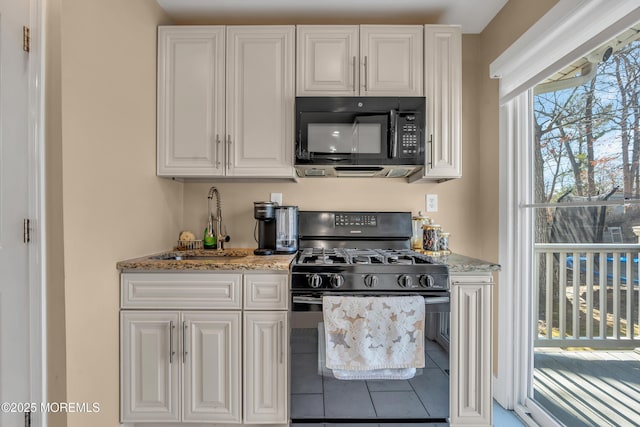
[
  {"x": 391, "y": 60},
  {"x": 327, "y": 60},
  {"x": 443, "y": 90},
  {"x": 260, "y": 96},
  {"x": 364, "y": 60},
  {"x": 190, "y": 100},
  {"x": 196, "y": 139}
]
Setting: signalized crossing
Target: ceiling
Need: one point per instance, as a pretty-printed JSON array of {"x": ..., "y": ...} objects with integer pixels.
[{"x": 472, "y": 15}]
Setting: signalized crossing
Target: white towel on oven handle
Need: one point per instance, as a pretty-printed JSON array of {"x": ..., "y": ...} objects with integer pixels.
[
  {"x": 343, "y": 374},
  {"x": 368, "y": 333}
]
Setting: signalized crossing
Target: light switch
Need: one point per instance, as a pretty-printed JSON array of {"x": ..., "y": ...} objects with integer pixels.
[{"x": 432, "y": 202}]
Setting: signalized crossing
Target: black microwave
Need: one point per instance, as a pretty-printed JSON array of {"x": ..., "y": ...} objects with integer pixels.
[{"x": 374, "y": 136}]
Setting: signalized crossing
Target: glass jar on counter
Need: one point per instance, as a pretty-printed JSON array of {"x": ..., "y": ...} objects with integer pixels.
[
  {"x": 417, "y": 222},
  {"x": 443, "y": 242},
  {"x": 431, "y": 237}
]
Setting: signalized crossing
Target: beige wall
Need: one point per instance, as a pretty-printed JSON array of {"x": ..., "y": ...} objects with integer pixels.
[
  {"x": 106, "y": 204},
  {"x": 101, "y": 107}
]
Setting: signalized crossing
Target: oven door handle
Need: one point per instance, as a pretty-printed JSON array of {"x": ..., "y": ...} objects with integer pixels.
[
  {"x": 307, "y": 300},
  {"x": 436, "y": 300}
]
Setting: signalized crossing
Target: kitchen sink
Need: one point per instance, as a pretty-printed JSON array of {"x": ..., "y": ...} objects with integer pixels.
[{"x": 173, "y": 257}]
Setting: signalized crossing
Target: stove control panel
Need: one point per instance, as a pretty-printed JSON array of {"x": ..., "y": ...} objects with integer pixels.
[
  {"x": 357, "y": 220},
  {"x": 369, "y": 281}
]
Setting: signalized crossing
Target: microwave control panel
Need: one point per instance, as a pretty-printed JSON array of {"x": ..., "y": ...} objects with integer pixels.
[{"x": 409, "y": 140}]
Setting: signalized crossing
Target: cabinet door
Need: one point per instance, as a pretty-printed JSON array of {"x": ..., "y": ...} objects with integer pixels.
[
  {"x": 391, "y": 60},
  {"x": 471, "y": 351},
  {"x": 327, "y": 60},
  {"x": 210, "y": 353},
  {"x": 443, "y": 83},
  {"x": 260, "y": 96},
  {"x": 190, "y": 101},
  {"x": 265, "y": 367},
  {"x": 149, "y": 366}
]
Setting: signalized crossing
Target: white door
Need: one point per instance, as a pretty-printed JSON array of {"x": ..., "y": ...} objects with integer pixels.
[{"x": 14, "y": 169}]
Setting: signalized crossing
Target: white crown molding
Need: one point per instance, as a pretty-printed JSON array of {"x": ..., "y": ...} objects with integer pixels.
[{"x": 571, "y": 29}]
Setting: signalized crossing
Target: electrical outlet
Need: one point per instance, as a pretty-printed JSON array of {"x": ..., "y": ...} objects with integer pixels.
[
  {"x": 277, "y": 198},
  {"x": 431, "y": 202}
]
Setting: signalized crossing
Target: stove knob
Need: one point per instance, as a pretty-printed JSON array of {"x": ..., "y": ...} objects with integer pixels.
[
  {"x": 405, "y": 281},
  {"x": 315, "y": 280},
  {"x": 426, "y": 281},
  {"x": 336, "y": 280},
  {"x": 370, "y": 281}
]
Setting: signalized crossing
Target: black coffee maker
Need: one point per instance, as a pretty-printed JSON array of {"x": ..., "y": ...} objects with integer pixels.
[{"x": 277, "y": 228}]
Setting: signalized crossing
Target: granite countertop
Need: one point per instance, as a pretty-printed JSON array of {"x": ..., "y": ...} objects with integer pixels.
[
  {"x": 207, "y": 260},
  {"x": 244, "y": 259},
  {"x": 463, "y": 264}
]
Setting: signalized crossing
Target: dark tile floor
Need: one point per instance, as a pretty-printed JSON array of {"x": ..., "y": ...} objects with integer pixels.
[{"x": 316, "y": 396}]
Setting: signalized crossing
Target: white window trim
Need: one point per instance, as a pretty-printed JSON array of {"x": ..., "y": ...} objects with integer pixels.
[
  {"x": 555, "y": 41},
  {"x": 571, "y": 29},
  {"x": 37, "y": 208}
]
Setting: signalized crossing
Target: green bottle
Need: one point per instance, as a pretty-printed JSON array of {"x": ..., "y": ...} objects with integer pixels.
[{"x": 209, "y": 240}]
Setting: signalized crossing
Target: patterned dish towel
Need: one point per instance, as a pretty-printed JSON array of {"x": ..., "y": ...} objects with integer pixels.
[
  {"x": 372, "y": 333},
  {"x": 345, "y": 374}
]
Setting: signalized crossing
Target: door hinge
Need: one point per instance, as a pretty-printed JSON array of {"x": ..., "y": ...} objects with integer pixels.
[
  {"x": 27, "y": 419},
  {"x": 26, "y": 39},
  {"x": 26, "y": 230}
]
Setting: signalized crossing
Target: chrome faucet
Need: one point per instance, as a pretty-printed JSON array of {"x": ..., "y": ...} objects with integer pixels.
[{"x": 217, "y": 218}]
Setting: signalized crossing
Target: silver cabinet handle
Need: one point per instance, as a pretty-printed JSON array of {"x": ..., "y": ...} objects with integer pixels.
[
  {"x": 281, "y": 342},
  {"x": 184, "y": 341},
  {"x": 430, "y": 150},
  {"x": 354, "y": 75},
  {"x": 217, "y": 150},
  {"x": 229, "y": 151},
  {"x": 171, "y": 352},
  {"x": 366, "y": 77}
]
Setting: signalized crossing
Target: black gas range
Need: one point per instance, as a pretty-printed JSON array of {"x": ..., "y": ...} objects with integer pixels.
[{"x": 366, "y": 252}]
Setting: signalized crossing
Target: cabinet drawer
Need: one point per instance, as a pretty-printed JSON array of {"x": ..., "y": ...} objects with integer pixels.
[
  {"x": 181, "y": 290},
  {"x": 266, "y": 291}
]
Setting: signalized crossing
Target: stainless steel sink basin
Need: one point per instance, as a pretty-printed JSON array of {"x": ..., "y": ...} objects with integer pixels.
[{"x": 198, "y": 257}]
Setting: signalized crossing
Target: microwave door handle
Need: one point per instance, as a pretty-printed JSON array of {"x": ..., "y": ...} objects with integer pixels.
[{"x": 393, "y": 147}]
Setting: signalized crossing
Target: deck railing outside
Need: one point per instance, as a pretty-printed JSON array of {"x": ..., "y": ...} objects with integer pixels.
[{"x": 587, "y": 295}]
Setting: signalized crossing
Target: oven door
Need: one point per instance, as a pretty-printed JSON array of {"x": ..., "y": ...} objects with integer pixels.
[{"x": 318, "y": 397}]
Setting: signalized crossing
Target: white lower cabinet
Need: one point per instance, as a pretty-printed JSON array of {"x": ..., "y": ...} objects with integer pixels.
[
  {"x": 211, "y": 384},
  {"x": 471, "y": 397},
  {"x": 187, "y": 357},
  {"x": 187, "y": 365},
  {"x": 150, "y": 389},
  {"x": 265, "y": 367}
]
